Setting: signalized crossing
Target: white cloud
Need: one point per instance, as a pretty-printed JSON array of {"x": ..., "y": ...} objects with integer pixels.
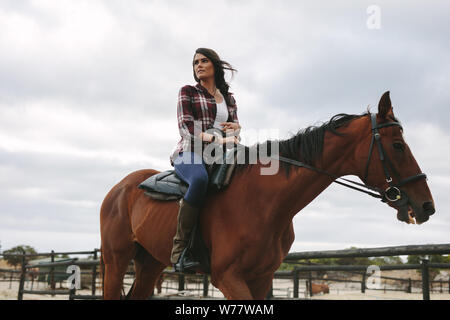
[
  {"x": 56, "y": 128},
  {"x": 43, "y": 241}
]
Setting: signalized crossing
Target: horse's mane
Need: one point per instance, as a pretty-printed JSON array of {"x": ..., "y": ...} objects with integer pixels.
[{"x": 305, "y": 146}]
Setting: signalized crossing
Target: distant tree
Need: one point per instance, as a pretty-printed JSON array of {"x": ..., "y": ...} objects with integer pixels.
[
  {"x": 286, "y": 267},
  {"x": 434, "y": 258},
  {"x": 327, "y": 261},
  {"x": 17, "y": 260},
  {"x": 414, "y": 259},
  {"x": 379, "y": 261}
]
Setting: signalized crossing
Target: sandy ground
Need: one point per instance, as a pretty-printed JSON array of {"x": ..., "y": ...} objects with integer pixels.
[
  {"x": 9, "y": 291},
  {"x": 379, "y": 295}
]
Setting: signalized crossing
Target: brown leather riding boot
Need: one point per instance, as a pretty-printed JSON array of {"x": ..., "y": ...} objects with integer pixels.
[{"x": 187, "y": 218}]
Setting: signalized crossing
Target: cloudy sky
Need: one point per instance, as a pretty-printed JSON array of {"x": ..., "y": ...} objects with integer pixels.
[{"x": 88, "y": 93}]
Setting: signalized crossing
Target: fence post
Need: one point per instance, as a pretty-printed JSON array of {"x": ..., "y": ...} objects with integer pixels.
[
  {"x": 22, "y": 277},
  {"x": 52, "y": 274},
  {"x": 310, "y": 286},
  {"x": 310, "y": 281},
  {"x": 425, "y": 280},
  {"x": 180, "y": 282},
  {"x": 205, "y": 285},
  {"x": 295, "y": 279},
  {"x": 10, "y": 279},
  {"x": 72, "y": 294},
  {"x": 94, "y": 273},
  {"x": 409, "y": 289},
  {"x": 363, "y": 283}
]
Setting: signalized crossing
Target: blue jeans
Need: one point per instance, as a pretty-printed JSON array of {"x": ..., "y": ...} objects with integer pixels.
[{"x": 190, "y": 168}]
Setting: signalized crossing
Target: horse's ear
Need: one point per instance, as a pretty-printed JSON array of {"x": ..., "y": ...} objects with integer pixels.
[{"x": 385, "y": 105}]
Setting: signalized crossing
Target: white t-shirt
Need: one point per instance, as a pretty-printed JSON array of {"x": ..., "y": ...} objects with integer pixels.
[{"x": 221, "y": 115}]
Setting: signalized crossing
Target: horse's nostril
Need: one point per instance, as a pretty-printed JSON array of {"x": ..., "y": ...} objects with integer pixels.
[{"x": 428, "y": 208}]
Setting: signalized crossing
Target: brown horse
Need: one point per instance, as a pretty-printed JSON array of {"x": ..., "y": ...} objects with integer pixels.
[
  {"x": 247, "y": 227},
  {"x": 318, "y": 288}
]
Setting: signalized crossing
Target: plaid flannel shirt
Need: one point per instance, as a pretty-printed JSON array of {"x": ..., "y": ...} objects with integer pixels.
[{"x": 197, "y": 108}]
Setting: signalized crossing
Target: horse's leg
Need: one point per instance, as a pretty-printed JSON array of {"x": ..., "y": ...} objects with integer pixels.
[
  {"x": 260, "y": 287},
  {"x": 116, "y": 265},
  {"x": 233, "y": 286},
  {"x": 148, "y": 270}
]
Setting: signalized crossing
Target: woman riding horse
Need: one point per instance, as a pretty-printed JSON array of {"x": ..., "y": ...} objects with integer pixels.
[
  {"x": 249, "y": 230},
  {"x": 203, "y": 107}
]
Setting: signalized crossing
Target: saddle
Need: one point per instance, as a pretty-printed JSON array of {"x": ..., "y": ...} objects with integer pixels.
[{"x": 167, "y": 186}]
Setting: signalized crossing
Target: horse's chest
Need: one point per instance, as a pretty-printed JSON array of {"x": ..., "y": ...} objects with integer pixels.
[
  {"x": 263, "y": 256},
  {"x": 267, "y": 251}
]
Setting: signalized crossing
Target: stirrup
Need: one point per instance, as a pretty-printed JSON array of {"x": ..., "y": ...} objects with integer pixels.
[{"x": 184, "y": 264}]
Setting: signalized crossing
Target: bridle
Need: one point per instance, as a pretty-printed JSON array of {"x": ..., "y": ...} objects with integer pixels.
[{"x": 393, "y": 192}]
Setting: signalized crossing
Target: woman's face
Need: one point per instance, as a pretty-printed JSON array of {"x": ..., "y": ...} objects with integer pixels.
[{"x": 203, "y": 67}]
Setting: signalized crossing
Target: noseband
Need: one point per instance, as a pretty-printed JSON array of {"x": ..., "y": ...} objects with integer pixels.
[{"x": 393, "y": 193}]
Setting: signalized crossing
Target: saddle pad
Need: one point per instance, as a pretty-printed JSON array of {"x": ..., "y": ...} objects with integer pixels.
[{"x": 164, "y": 186}]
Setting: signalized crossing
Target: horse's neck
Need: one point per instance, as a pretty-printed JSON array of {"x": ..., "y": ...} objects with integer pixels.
[{"x": 287, "y": 196}]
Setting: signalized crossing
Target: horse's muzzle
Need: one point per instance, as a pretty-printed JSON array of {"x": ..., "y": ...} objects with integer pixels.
[
  {"x": 428, "y": 208},
  {"x": 410, "y": 212},
  {"x": 414, "y": 214}
]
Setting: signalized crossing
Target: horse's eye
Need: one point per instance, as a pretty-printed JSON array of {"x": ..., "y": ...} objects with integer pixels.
[{"x": 399, "y": 146}]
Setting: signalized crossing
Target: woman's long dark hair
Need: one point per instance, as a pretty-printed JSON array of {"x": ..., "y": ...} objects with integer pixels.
[{"x": 219, "y": 71}]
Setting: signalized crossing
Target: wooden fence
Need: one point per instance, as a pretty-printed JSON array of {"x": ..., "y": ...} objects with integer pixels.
[
  {"x": 294, "y": 275},
  {"x": 26, "y": 268},
  {"x": 424, "y": 266}
]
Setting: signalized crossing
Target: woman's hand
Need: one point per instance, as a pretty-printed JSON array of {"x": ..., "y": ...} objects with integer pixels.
[
  {"x": 228, "y": 140},
  {"x": 232, "y": 130},
  {"x": 230, "y": 126}
]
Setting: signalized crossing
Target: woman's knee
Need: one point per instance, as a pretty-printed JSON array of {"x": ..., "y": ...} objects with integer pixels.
[{"x": 200, "y": 181}]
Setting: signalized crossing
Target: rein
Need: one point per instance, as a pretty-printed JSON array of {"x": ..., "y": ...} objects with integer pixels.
[
  {"x": 335, "y": 177},
  {"x": 393, "y": 193}
]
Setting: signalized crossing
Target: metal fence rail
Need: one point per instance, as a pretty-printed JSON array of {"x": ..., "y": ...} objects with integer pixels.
[{"x": 428, "y": 249}]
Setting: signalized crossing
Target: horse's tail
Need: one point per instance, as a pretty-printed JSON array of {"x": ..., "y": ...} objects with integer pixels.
[{"x": 102, "y": 273}]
